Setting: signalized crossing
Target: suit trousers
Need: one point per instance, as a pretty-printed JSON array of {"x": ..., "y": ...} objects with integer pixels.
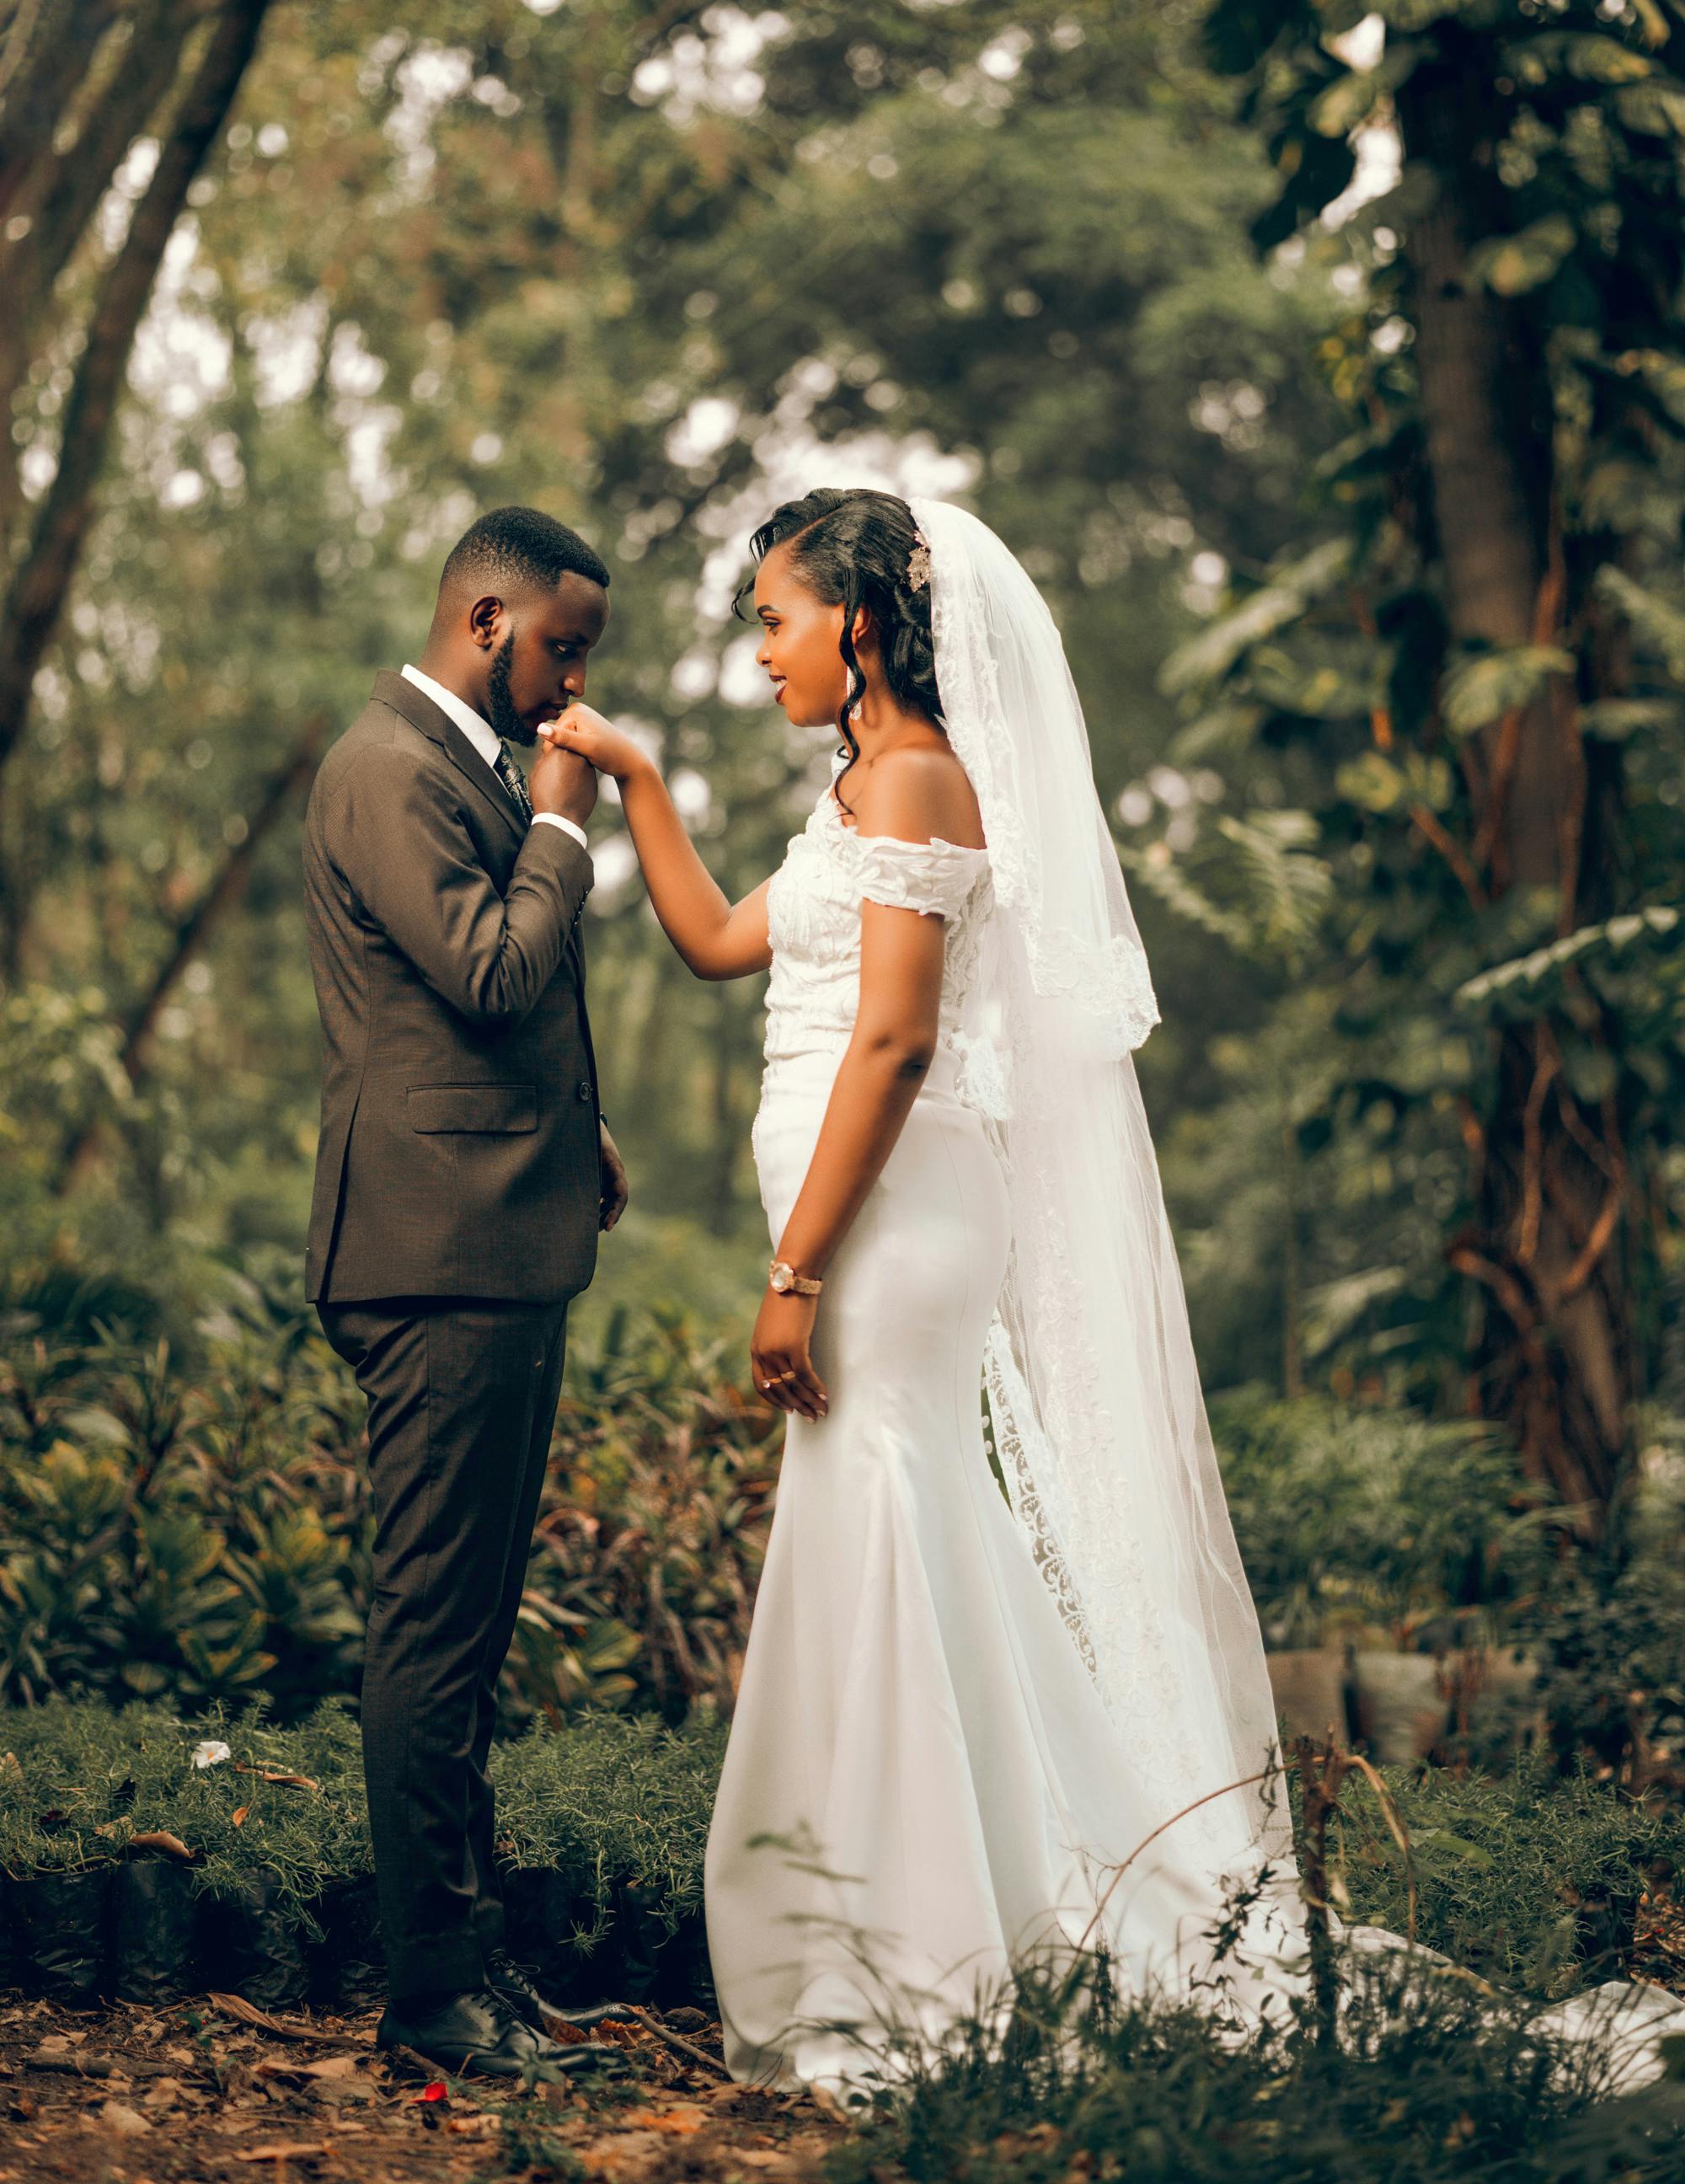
[{"x": 462, "y": 1395}]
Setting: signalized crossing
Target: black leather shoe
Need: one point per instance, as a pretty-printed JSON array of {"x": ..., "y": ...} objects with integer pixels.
[
  {"x": 476, "y": 2031},
  {"x": 507, "y": 1980}
]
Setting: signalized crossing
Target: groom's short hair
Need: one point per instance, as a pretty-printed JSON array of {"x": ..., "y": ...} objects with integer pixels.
[{"x": 523, "y": 545}]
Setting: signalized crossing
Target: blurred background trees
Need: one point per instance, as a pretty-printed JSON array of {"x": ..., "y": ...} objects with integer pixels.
[{"x": 1322, "y": 364}]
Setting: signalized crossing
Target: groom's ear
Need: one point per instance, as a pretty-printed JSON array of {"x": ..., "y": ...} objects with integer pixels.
[{"x": 482, "y": 620}]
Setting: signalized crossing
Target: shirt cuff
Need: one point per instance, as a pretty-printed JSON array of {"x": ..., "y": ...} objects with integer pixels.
[{"x": 568, "y": 826}]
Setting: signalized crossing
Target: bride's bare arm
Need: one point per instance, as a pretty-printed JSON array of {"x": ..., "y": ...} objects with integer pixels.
[
  {"x": 717, "y": 939},
  {"x": 914, "y": 795}
]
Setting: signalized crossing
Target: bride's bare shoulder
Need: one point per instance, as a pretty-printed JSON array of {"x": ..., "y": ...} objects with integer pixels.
[{"x": 919, "y": 792}]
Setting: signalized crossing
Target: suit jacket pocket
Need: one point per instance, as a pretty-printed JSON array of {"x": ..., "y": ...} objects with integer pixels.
[{"x": 499, "y": 1107}]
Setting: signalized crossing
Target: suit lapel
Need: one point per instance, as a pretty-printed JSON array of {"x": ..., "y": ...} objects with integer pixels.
[{"x": 398, "y": 691}]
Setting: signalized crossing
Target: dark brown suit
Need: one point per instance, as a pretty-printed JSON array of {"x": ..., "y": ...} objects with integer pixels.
[
  {"x": 458, "y": 1155},
  {"x": 457, "y": 1186}
]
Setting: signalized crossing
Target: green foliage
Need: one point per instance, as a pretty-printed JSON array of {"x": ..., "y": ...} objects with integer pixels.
[
  {"x": 1535, "y": 1881},
  {"x": 1608, "y": 1631},
  {"x": 581, "y": 257},
  {"x": 606, "y": 1802},
  {"x": 625, "y": 1801},
  {"x": 1540, "y": 150},
  {"x": 1356, "y": 1523},
  {"x": 169, "y": 1536},
  {"x": 1429, "y": 2079},
  {"x": 193, "y": 1532}
]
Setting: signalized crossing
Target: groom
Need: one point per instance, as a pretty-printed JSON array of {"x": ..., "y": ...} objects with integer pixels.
[{"x": 462, "y": 1176}]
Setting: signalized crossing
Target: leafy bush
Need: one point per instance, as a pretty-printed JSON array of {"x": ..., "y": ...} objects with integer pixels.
[
  {"x": 1366, "y": 1523},
  {"x": 1608, "y": 1626},
  {"x": 194, "y": 1536}
]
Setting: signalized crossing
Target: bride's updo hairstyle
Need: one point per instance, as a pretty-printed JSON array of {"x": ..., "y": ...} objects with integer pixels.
[{"x": 851, "y": 549}]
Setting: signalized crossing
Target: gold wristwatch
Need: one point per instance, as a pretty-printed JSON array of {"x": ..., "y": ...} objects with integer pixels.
[{"x": 784, "y": 1279}]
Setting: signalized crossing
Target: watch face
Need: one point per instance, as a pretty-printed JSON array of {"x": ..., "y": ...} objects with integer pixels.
[{"x": 780, "y": 1278}]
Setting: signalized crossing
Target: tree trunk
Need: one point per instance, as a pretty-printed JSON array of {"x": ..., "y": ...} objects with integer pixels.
[
  {"x": 62, "y": 190},
  {"x": 195, "y": 928},
  {"x": 37, "y": 595},
  {"x": 1550, "y": 1186},
  {"x": 44, "y": 45}
]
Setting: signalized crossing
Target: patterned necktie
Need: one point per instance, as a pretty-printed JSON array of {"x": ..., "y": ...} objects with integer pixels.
[{"x": 509, "y": 774}]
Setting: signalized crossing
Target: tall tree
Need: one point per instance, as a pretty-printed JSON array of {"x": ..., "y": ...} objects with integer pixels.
[{"x": 1515, "y": 374}]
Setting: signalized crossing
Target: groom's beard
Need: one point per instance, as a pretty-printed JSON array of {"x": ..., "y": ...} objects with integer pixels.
[{"x": 500, "y": 708}]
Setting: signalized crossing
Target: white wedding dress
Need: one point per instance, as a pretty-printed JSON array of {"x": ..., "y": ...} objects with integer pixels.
[{"x": 915, "y": 1730}]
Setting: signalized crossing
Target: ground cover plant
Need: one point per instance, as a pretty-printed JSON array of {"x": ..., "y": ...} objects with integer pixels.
[
  {"x": 1427, "y": 2078},
  {"x": 148, "y": 1855},
  {"x": 1535, "y": 1881}
]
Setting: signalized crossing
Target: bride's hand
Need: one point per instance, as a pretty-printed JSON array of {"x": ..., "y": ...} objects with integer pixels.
[
  {"x": 778, "y": 1353},
  {"x": 582, "y": 730}
]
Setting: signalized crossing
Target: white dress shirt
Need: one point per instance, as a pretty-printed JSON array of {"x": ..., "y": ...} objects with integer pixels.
[{"x": 486, "y": 740}]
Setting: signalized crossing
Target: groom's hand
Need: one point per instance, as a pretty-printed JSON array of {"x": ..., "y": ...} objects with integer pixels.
[
  {"x": 563, "y": 783},
  {"x": 615, "y": 1190}
]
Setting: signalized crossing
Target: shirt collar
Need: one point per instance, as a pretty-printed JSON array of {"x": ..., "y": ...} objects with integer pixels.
[{"x": 478, "y": 730}]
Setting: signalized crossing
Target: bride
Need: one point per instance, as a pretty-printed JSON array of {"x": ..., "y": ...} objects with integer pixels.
[{"x": 973, "y": 1723}]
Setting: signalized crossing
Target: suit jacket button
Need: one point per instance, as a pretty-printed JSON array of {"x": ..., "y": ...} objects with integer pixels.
[{"x": 585, "y": 1090}]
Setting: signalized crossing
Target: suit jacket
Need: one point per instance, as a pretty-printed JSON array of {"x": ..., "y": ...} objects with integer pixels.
[{"x": 458, "y": 1147}]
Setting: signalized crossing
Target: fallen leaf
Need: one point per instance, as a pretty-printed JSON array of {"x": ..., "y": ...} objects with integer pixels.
[
  {"x": 235, "y": 2005},
  {"x": 679, "y": 2122},
  {"x": 268, "y": 1774},
  {"x": 119, "y": 2116},
  {"x": 161, "y": 1839},
  {"x": 240, "y": 1815},
  {"x": 328, "y": 2066}
]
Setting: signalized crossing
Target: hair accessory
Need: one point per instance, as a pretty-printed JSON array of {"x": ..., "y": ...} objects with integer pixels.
[{"x": 919, "y": 564}]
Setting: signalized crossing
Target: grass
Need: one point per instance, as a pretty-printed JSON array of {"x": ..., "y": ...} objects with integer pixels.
[{"x": 1427, "y": 2081}]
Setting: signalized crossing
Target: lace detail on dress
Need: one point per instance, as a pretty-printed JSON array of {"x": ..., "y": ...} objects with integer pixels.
[
  {"x": 813, "y": 910},
  {"x": 937, "y": 877}
]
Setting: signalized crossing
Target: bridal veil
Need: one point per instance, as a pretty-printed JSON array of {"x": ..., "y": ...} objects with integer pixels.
[{"x": 1093, "y": 1393}]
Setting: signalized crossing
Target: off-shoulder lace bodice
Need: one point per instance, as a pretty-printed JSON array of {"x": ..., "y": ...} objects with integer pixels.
[{"x": 813, "y": 910}]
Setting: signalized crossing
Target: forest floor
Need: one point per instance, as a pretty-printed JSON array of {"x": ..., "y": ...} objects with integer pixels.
[{"x": 214, "y": 2090}]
